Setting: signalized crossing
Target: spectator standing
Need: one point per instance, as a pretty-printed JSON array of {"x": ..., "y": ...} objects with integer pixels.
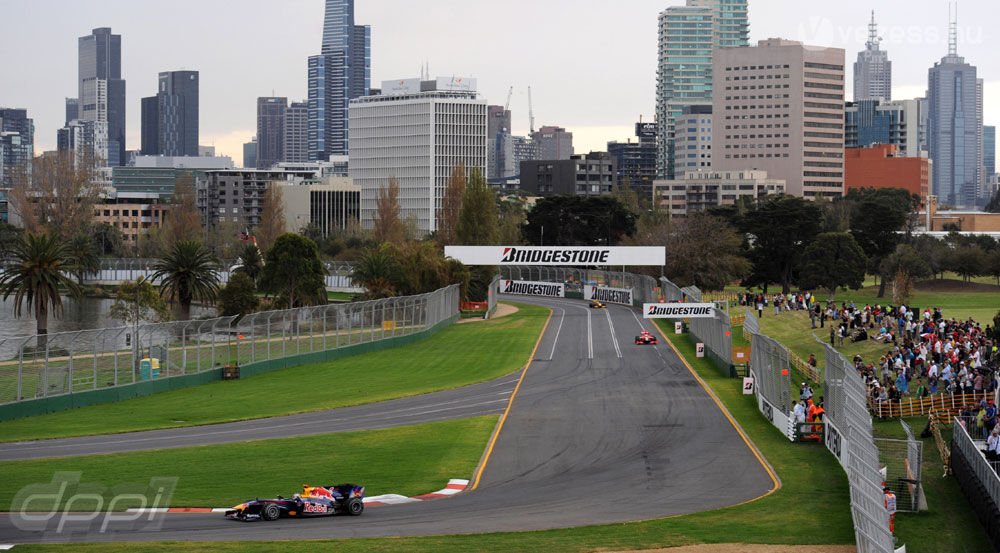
[{"x": 890, "y": 505}]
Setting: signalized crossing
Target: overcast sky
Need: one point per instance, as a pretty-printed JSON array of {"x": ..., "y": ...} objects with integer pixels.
[{"x": 591, "y": 63}]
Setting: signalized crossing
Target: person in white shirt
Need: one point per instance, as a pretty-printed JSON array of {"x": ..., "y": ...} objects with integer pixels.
[
  {"x": 993, "y": 445},
  {"x": 799, "y": 412}
]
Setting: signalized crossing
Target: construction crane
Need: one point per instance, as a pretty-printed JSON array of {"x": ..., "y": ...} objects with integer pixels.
[
  {"x": 531, "y": 113},
  {"x": 506, "y": 107}
]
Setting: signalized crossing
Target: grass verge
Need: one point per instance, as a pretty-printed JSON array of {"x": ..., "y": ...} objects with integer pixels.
[
  {"x": 812, "y": 507},
  {"x": 456, "y": 356},
  {"x": 409, "y": 460},
  {"x": 949, "y": 524}
]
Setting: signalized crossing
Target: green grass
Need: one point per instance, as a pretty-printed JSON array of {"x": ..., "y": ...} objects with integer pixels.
[
  {"x": 456, "y": 356},
  {"x": 410, "y": 460},
  {"x": 339, "y": 296},
  {"x": 812, "y": 507},
  {"x": 949, "y": 524}
]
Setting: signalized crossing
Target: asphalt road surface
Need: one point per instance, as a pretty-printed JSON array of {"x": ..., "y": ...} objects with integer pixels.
[{"x": 601, "y": 431}]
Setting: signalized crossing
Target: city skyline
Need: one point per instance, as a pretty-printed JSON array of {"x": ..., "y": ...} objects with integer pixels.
[{"x": 564, "y": 85}]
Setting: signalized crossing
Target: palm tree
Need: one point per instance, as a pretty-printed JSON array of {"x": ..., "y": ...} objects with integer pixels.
[
  {"x": 379, "y": 272},
  {"x": 35, "y": 278},
  {"x": 250, "y": 261},
  {"x": 187, "y": 273}
]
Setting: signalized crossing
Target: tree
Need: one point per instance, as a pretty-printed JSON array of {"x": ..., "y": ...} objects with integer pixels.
[
  {"x": 832, "y": 261},
  {"x": 993, "y": 265},
  {"x": 187, "y": 273},
  {"x": 778, "y": 230},
  {"x": 388, "y": 225},
  {"x": 272, "y": 218},
  {"x": 183, "y": 221},
  {"x": 379, "y": 271},
  {"x": 478, "y": 219},
  {"x": 108, "y": 239},
  {"x": 250, "y": 262},
  {"x": 292, "y": 269},
  {"x": 904, "y": 266},
  {"x": 239, "y": 296},
  {"x": 451, "y": 206},
  {"x": 935, "y": 252},
  {"x": 968, "y": 262},
  {"x": 9, "y": 235},
  {"x": 994, "y": 205},
  {"x": 878, "y": 217},
  {"x": 705, "y": 251},
  {"x": 137, "y": 302},
  {"x": 57, "y": 196},
  {"x": 84, "y": 257},
  {"x": 579, "y": 221},
  {"x": 35, "y": 278}
]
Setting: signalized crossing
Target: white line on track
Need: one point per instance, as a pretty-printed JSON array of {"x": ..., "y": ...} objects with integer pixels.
[
  {"x": 558, "y": 330},
  {"x": 614, "y": 338},
  {"x": 590, "y": 337},
  {"x": 637, "y": 320}
]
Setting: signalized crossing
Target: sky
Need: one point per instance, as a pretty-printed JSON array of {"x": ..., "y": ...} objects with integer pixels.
[{"x": 591, "y": 64}]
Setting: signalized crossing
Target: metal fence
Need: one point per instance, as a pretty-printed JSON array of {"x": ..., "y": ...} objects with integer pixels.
[
  {"x": 671, "y": 292},
  {"x": 644, "y": 289},
  {"x": 751, "y": 325},
  {"x": 125, "y": 269},
  {"x": 978, "y": 478},
  {"x": 769, "y": 364},
  {"x": 849, "y": 437},
  {"x": 70, "y": 362},
  {"x": 491, "y": 296}
]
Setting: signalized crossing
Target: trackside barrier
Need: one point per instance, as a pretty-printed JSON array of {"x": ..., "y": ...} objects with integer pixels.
[
  {"x": 978, "y": 479},
  {"x": 116, "y": 271},
  {"x": 69, "y": 363},
  {"x": 644, "y": 289},
  {"x": 772, "y": 382},
  {"x": 849, "y": 437},
  {"x": 491, "y": 296},
  {"x": 716, "y": 333}
]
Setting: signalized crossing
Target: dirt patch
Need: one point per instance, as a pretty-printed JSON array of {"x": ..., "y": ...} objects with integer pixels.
[
  {"x": 503, "y": 309},
  {"x": 951, "y": 285},
  {"x": 746, "y": 548}
]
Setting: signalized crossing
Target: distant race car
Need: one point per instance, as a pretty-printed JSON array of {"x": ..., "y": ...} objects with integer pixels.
[
  {"x": 645, "y": 338},
  {"x": 342, "y": 499},
  {"x": 596, "y": 304}
]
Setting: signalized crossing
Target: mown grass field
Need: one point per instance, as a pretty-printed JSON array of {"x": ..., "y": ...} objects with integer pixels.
[
  {"x": 811, "y": 507},
  {"x": 949, "y": 524},
  {"x": 409, "y": 460},
  {"x": 456, "y": 356}
]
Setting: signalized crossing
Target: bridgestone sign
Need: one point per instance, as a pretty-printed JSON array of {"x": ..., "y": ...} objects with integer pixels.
[
  {"x": 528, "y": 288},
  {"x": 554, "y": 255},
  {"x": 608, "y": 295},
  {"x": 678, "y": 310}
]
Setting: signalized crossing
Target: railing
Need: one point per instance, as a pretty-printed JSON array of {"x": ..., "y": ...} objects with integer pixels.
[
  {"x": 978, "y": 478},
  {"x": 70, "y": 362},
  {"x": 913, "y": 407},
  {"x": 126, "y": 269}
]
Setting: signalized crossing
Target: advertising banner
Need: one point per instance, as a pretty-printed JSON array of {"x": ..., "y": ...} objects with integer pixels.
[
  {"x": 557, "y": 255},
  {"x": 529, "y": 288},
  {"x": 608, "y": 295},
  {"x": 678, "y": 310}
]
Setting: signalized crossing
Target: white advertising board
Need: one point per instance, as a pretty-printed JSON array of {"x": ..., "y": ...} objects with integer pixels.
[
  {"x": 678, "y": 310},
  {"x": 614, "y": 256},
  {"x": 608, "y": 295},
  {"x": 529, "y": 288}
]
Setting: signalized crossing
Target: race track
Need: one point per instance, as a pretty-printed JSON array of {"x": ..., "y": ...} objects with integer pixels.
[{"x": 600, "y": 431}]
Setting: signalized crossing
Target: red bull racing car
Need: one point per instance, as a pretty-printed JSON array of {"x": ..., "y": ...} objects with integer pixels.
[
  {"x": 645, "y": 338},
  {"x": 342, "y": 499}
]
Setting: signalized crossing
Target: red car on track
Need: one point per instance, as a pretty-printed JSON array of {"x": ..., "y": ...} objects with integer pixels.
[{"x": 646, "y": 338}]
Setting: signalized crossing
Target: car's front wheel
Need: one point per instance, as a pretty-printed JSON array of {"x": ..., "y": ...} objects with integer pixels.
[
  {"x": 354, "y": 506},
  {"x": 270, "y": 512}
]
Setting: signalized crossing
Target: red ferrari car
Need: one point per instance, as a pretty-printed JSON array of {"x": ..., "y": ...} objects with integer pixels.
[{"x": 645, "y": 338}]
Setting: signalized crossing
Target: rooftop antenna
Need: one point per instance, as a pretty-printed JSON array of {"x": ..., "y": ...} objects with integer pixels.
[
  {"x": 873, "y": 38},
  {"x": 952, "y": 30}
]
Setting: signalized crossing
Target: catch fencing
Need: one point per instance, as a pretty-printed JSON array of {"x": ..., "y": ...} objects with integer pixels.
[
  {"x": 772, "y": 381},
  {"x": 850, "y": 438},
  {"x": 34, "y": 367},
  {"x": 491, "y": 296},
  {"x": 903, "y": 461},
  {"x": 716, "y": 332},
  {"x": 978, "y": 478},
  {"x": 115, "y": 271},
  {"x": 644, "y": 289}
]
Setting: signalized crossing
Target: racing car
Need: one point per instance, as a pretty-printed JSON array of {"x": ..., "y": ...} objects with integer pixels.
[
  {"x": 342, "y": 499},
  {"x": 645, "y": 338},
  {"x": 596, "y": 304}
]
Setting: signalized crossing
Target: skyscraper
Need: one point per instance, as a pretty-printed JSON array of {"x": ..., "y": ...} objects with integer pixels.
[
  {"x": 873, "y": 121},
  {"x": 296, "y": 143},
  {"x": 177, "y": 103},
  {"x": 955, "y": 128},
  {"x": 873, "y": 70},
  {"x": 553, "y": 142},
  {"x": 779, "y": 107},
  {"x": 72, "y": 109},
  {"x": 102, "y": 93},
  {"x": 250, "y": 153},
  {"x": 989, "y": 150},
  {"x": 270, "y": 131},
  {"x": 17, "y": 144},
  {"x": 687, "y": 36},
  {"x": 341, "y": 72}
]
